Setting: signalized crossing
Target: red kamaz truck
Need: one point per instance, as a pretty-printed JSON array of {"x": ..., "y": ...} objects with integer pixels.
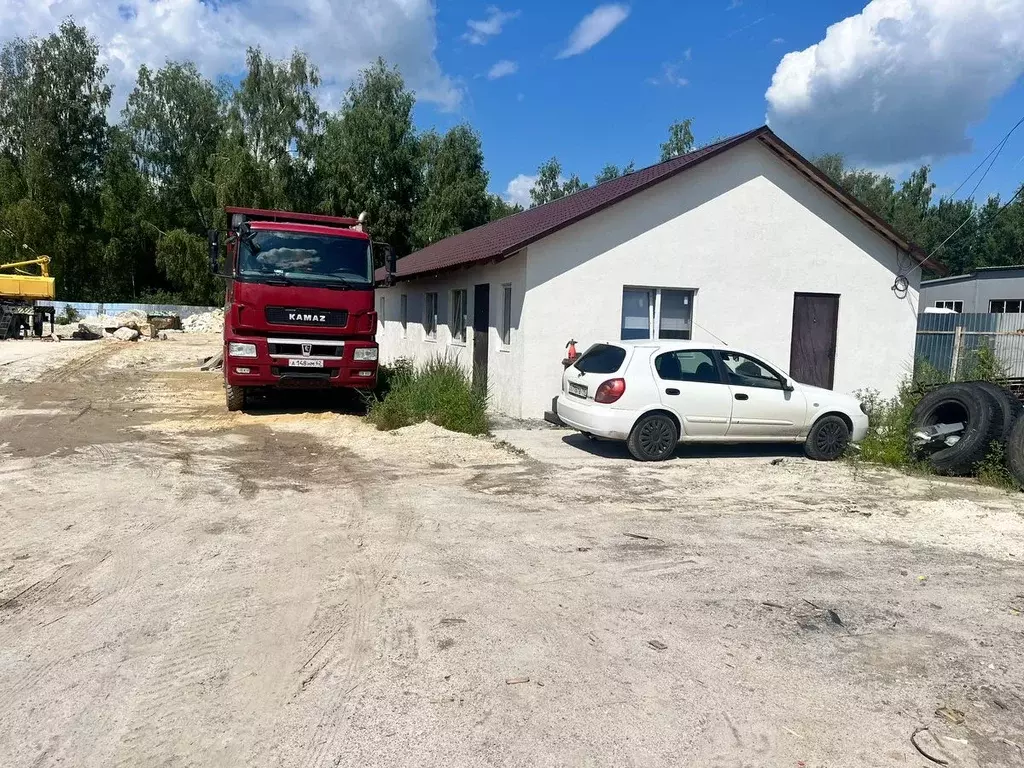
[{"x": 299, "y": 310}]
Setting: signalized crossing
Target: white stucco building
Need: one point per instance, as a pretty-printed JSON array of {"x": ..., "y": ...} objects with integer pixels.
[{"x": 743, "y": 241}]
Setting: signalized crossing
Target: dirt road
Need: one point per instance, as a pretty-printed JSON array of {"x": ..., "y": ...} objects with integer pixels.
[{"x": 181, "y": 586}]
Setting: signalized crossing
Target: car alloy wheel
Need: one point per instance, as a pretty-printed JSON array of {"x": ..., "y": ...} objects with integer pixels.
[
  {"x": 831, "y": 439},
  {"x": 656, "y": 437}
]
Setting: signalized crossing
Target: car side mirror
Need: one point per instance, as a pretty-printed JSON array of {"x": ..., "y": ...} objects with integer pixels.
[{"x": 787, "y": 385}]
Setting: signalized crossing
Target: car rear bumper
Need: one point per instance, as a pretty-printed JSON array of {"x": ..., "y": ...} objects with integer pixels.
[{"x": 601, "y": 421}]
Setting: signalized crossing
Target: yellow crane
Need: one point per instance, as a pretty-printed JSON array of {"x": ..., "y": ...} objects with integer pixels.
[{"x": 19, "y": 291}]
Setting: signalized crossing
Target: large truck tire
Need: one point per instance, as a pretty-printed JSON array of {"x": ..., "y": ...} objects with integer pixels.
[
  {"x": 959, "y": 403},
  {"x": 1015, "y": 452},
  {"x": 235, "y": 397},
  {"x": 1011, "y": 407}
]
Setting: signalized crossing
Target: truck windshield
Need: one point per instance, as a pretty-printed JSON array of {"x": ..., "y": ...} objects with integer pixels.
[{"x": 306, "y": 258}]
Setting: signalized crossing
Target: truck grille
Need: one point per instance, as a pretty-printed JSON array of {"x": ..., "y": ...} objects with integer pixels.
[
  {"x": 295, "y": 349},
  {"x": 320, "y": 318}
]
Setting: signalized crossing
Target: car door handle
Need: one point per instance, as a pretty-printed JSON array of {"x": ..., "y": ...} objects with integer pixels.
[
  {"x": 671, "y": 391},
  {"x": 741, "y": 396}
]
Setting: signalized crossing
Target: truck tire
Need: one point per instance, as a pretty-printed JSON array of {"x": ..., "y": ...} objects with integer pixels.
[
  {"x": 235, "y": 397},
  {"x": 1011, "y": 407},
  {"x": 1015, "y": 452},
  {"x": 953, "y": 403},
  {"x": 653, "y": 437},
  {"x": 828, "y": 439}
]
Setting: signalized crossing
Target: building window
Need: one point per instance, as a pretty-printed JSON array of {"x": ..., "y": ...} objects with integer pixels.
[
  {"x": 459, "y": 313},
  {"x": 430, "y": 315},
  {"x": 403, "y": 308},
  {"x": 656, "y": 313},
  {"x": 506, "y": 315},
  {"x": 1005, "y": 306},
  {"x": 956, "y": 306}
]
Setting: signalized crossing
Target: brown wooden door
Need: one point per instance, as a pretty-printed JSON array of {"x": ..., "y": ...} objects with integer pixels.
[
  {"x": 812, "y": 356},
  {"x": 481, "y": 332}
]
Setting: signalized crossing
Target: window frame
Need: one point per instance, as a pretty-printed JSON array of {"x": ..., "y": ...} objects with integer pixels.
[
  {"x": 403, "y": 312},
  {"x": 654, "y": 317},
  {"x": 712, "y": 354},
  {"x": 957, "y": 305},
  {"x": 725, "y": 371},
  {"x": 430, "y": 302},
  {"x": 992, "y": 306},
  {"x": 505, "y": 331},
  {"x": 456, "y": 339}
]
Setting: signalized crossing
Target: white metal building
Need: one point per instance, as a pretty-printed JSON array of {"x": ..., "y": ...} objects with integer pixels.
[{"x": 743, "y": 241}]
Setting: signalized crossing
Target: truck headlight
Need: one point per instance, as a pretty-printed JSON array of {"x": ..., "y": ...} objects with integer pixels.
[
  {"x": 237, "y": 349},
  {"x": 365, "y": 354}
]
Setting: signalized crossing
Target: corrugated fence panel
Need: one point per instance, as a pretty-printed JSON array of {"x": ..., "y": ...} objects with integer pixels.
[
  {"x": 86, "y": 308},
  {"x": 948, "y": 341}
]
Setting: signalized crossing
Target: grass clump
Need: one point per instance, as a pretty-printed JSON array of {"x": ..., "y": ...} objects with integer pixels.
[{"x": 439, "y": 391}]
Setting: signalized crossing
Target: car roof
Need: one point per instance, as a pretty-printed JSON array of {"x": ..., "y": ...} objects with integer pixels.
[{"x": 667, "y": 344}]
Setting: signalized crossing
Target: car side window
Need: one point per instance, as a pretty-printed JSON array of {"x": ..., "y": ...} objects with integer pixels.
[
  {"x": 688, "y": 365},
  {"x": 745, "y": 371}
]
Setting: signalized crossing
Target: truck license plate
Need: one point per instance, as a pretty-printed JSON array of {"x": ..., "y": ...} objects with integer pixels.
[
  {"x": 305, "y": 362},
  {"x": 577, "y": 389}
]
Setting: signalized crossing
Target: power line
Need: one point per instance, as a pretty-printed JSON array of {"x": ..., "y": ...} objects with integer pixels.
[{"x": 998, "y": 146}]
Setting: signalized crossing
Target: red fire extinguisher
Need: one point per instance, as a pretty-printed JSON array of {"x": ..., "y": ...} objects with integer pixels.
[{"x": 572, "y": 354}]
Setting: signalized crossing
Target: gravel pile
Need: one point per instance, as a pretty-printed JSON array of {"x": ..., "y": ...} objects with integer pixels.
[{"x": 206, "y": 322}]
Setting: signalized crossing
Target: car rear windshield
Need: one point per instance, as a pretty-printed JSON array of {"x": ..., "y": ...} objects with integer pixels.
[{"x": 601, "y": 358}]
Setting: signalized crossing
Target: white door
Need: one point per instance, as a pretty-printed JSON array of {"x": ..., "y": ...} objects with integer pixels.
[
  {"x": 761, "y": 407},
  {"x": 689, "y": 384}
]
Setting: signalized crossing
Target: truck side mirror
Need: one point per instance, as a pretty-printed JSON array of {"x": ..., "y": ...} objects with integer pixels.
[
  {"x": 214, "y": 240},
  {"x": 390, "y": 264}
]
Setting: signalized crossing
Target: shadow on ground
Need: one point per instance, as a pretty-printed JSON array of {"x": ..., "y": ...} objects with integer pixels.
[
  {"x": 612, "y": 449},
  {"x": 297, "y": 401}
]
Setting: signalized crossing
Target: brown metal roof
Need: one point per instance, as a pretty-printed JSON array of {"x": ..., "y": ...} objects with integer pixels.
[{"x": 502, "y": 238}]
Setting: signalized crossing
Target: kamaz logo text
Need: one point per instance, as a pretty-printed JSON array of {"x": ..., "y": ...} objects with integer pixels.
[{"x": 307, "y": 317}]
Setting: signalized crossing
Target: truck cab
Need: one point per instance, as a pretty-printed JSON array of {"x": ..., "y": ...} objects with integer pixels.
[{"x": 299, "y": 310}]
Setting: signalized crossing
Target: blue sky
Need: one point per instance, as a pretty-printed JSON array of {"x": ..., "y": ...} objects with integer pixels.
[{"x": 890, "y": 83}]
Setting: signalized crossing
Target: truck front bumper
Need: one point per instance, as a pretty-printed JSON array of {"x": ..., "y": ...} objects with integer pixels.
[{"x": 289, "y": 363}]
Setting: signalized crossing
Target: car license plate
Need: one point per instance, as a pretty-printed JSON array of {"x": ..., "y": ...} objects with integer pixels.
[
  {"x": 305, "y": 362},
  {"x": 577, "y": 389}
]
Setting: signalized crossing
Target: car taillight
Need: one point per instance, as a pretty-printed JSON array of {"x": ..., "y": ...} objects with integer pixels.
[{"x": 610, "y": 391}]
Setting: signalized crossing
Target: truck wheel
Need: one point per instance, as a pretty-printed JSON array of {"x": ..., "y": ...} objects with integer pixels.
[
  {"x": 653, "y": 438},
  {"x": 1009, "y": 405},
  {"x": 828, "y": 439},
  {"x": 235, "y": 397},
  {"x": 957, "y": 403},
  {"x": 1015, "y": 452}
]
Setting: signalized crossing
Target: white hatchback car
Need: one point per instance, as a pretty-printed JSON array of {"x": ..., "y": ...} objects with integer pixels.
[{"x": 654, "y": 394}]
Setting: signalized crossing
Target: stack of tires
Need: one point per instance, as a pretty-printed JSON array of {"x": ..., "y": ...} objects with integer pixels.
[{"x": 989, "y": 413}]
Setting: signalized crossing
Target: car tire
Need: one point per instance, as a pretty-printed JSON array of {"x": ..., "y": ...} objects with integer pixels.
[
  {"x": 235, "y": 397},
  {"x": 983, "y": 425},
  {"x": 1015, "y": 452},
  {"x": 828, "y": 439},
  {"x": 1009, "y": 405},
  {"x": 653, "y": 437}
]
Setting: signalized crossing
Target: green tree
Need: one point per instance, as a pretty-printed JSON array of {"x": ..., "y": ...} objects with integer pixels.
[
  {"x": 612, "y": 171},
  {"x": 53, "y": 102},
  {"x": 572, "y": 185},
  {"x": 500, "y": 208},
  {"x": 548, "y": 186},
  {"x": 369, "y": 158},
  {"x": 680, "y": 139},
  {"x": 174, "y": 119},
  {"x": 454, "y": 195}
]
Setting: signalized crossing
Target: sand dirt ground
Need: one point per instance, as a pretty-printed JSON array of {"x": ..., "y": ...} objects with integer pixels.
[{"x": 181, "y": 586}]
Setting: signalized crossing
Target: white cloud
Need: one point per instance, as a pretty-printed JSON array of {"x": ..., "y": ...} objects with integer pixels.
[
  {"x": 480, "y": 32},
  {"x": 594, "y": 27},
  {"x": 518, "y": 190},
  {"x": 734, "y": 5},
  {"x": 901, "y": 81},
  {"x": 688, "y": 54},
  {"x": 669, "y": 76},
  {"x": 778, "y": 40},
  {"x": 215, "y": 36},
  {"x": 503, "y": 68}
]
